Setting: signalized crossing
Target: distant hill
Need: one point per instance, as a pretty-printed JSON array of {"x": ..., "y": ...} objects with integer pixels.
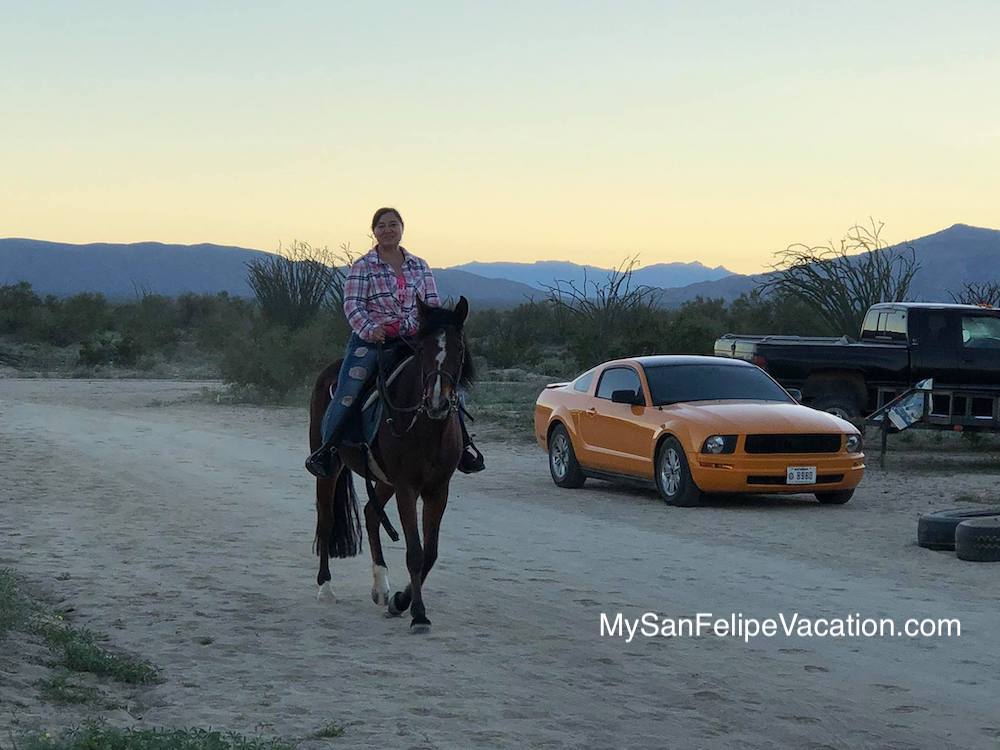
[
  {"x": 543, "y": 273},
  {"x": 123, "y": 271},
  {"x": 948, "y": 259}
]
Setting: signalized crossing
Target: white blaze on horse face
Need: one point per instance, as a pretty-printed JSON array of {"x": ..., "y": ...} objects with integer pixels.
[
  {"x": 380, "y": 588},
  {"x": 440, "y": 358}
]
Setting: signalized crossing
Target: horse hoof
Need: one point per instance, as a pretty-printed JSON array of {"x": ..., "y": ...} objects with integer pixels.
[
  {"x": 393, "y": 609},
  {"x": 325, "y": 593},
  {"x": 418, "y": 628}
]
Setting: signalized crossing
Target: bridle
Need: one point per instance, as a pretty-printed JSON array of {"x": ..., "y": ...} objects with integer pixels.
[{"x": 422, "y": 406}]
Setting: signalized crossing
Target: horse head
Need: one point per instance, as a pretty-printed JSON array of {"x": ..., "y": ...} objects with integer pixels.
[{"x": 445, "y": 362}]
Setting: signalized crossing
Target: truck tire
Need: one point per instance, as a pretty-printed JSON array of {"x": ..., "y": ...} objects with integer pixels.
[
  {"x": 937, "y": 530},
  {"x": 978, "y": 539},
  {"x": 840, "y": 402}
]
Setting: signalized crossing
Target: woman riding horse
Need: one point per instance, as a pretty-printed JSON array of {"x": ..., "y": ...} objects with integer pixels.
[
  {"x": 421, "y": 439},
  {"x": 380, "y": 301}
]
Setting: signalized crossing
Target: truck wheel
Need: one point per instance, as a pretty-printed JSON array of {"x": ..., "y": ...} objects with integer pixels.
[
  {"x": 937, "y": 530},
  {"x": 843, "y": 404},
  {"x": 978, "y": 539},
  {"x": 563, "y": 466}
]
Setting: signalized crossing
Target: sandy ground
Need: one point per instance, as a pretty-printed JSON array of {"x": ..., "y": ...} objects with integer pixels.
[{"x": 183, "y": 530}]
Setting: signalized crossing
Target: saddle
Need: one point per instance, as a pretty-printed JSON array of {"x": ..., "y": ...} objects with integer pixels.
[{"x": 361, "y": 425}]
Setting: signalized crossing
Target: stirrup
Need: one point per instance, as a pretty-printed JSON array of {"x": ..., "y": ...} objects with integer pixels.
[
  {"x": 471, "y": 460},
  {"x": 320, "y": 463}
]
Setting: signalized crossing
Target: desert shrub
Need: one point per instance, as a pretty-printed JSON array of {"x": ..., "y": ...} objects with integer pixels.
[
  {"x": 152, "y": 322},
  {"x": 18, "y": 304},
  {"x": 294, "y": 286},
  {"x": 61, "y": 322},
  {"x": 110, "y": 348},
  {"x": 277, "y": 360},
  {"x": 694, "y": 327},
  {"x": 516, "y": 337}
]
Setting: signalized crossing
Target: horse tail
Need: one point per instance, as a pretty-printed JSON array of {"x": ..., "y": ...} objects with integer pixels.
[{"x": 345, "y": 536}]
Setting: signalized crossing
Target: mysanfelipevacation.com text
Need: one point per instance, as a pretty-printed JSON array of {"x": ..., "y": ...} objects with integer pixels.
[{"x": 746, "y": 628}]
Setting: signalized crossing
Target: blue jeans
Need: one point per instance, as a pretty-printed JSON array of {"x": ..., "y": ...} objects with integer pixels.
[{"x": 360, "y": 361}]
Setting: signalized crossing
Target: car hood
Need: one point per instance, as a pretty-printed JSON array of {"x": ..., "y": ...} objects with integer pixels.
[{"x": 758, "y": 417}]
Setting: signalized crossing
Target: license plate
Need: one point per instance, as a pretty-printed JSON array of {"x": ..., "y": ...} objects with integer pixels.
[{"x": 801, "y": 475}]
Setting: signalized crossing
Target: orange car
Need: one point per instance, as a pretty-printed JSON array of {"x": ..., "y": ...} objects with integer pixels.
[{"x": 694, "y": 425}]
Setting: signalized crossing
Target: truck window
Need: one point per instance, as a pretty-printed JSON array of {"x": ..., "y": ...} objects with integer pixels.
[
  {"x": 895, "y": 326},
  {"x": 885, "y": 325},
  {"x": 869, "y": 328},
  {"x": 980, "y": 332}
]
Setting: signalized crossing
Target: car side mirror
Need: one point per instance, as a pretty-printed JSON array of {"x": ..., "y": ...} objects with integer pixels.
[
  {"x": 796, "y": 394},
  {"x": 628, "y": 397}
]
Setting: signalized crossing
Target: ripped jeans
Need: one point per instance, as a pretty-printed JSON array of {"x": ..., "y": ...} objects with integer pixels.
[{"x": 360, "y": 361}]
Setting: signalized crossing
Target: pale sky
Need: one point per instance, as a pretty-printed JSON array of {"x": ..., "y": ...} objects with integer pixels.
[{"x": 586, "y": 131}]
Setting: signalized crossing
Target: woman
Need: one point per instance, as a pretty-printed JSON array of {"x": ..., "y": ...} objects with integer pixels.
[{"x": 380, "y": 302}]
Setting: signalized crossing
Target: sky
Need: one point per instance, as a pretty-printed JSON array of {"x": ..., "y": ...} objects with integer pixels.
[{"x": 717, "y": 131}]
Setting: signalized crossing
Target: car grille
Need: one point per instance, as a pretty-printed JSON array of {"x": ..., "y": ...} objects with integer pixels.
[
  {"x": 779, "y": 479},
  {"x": 793, "y": 443}
]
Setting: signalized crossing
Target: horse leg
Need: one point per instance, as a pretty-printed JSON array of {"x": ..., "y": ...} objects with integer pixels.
[
  {"x": 434, "y": 505},
  {"x": 324, "y": 527},
  {"x": 380, "y": 571},
  {"x": 406, "y": 501},
  {"x": 435, "y": 502}
]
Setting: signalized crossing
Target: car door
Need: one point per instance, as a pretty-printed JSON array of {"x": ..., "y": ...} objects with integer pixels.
[{"x": 617, "y": 440}]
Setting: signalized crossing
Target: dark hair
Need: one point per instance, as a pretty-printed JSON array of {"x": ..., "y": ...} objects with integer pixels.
[{"x": 381, "y": 212}]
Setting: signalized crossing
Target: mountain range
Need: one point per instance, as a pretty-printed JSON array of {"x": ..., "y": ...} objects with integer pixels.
[
  {"x": 545, "y": 273},
  {"x": 948, "y": 259}
]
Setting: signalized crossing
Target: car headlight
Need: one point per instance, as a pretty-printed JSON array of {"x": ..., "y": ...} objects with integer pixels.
[
  {"x": 853, "y": 444},
  {"x": 719, "y": 444}
]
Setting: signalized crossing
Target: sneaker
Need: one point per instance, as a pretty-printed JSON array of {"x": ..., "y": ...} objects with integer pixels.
[
  {"x": 471, "y": 460},
  {"x": 319, "y": 463}
]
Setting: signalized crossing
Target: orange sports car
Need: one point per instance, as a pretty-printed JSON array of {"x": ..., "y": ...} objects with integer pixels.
[{"x": 693, "y": 425}]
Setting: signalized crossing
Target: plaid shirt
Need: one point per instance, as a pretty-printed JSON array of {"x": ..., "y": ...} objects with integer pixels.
[{"x": 372, "y": 299}]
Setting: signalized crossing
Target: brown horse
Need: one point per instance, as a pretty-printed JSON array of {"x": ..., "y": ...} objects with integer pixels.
[{"x": 417, "y": 450}]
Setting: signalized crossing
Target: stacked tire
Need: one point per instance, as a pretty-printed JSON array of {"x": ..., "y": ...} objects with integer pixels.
[{"x": 973, "y": 533}]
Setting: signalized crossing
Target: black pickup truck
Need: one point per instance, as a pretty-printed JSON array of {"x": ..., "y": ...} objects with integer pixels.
[{"x": 901, "y": 344}]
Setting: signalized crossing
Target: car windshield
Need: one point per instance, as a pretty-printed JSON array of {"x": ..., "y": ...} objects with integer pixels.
[{"x": 671, "y": 384}]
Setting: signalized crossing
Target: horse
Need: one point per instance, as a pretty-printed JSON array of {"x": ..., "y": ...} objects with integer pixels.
[{"x": 418, "y": 446}]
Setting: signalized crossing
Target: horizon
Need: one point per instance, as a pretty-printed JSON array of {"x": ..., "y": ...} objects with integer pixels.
[
  {"x": 719, "y": 133},
  {"x": 608, "y": 267}
]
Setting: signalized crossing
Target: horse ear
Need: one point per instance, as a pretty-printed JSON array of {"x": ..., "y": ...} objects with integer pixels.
[{"x": 462, "y": 310}]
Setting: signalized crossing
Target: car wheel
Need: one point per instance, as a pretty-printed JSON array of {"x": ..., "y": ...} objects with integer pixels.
[
  {"x": 563, "y": 466},
  {"x": 835, "y": 498},
  {"x": 673, "y": 476},
  {"x": 937, "y": 530}
]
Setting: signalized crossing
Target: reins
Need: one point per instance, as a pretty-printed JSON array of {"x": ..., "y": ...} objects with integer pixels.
[{"x": 421, "y": 406}]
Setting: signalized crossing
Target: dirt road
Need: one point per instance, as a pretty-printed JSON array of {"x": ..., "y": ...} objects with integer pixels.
[{"x": 184, "y": 531}]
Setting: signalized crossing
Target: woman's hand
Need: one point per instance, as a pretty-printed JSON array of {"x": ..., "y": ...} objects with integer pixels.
[{"x": 378, "y": 334}]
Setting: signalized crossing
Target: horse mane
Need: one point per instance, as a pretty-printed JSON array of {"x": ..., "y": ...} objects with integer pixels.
[{"x": 433, "y": 320}]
